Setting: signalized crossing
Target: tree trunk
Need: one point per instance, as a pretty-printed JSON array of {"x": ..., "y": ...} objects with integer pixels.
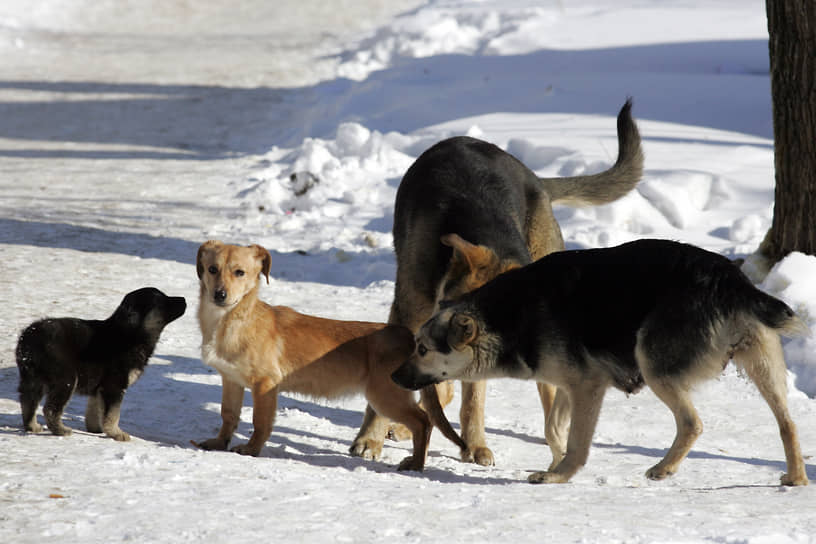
[{"x": 792, "y": 48}]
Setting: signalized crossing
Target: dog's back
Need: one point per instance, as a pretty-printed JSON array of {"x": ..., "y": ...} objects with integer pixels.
[
  {"x": 465, "y": 186},
  {"x": 599, "y": 303}
]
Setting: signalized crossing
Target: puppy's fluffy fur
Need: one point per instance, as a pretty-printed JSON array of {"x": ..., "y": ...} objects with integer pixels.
[
  {"x": 651, "y": 312},
  {"x": 58, "y": 356},
  {"x": 269, "y": 349}
]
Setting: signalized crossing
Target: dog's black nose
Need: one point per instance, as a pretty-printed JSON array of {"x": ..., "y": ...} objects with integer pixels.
[{"x": 220, "y": 295}]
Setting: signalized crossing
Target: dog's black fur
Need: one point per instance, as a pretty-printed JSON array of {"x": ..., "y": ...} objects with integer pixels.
[
  {"x": 652, "y": 311},
  {"x": 57, "y": 356}
]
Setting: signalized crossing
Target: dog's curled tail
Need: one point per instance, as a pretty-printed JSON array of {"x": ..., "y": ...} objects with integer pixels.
[{"x": 611, "y": 184}]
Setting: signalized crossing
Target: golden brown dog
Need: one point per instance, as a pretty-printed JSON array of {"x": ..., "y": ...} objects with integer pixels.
[{"x": 269, "y": 349}]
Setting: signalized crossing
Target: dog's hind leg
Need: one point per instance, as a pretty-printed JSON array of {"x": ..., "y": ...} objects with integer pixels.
[
  {"x": 93, "y": 413},
  {"x": 30, "y": 396},
  {"x": 368, "y": 443},
  {"x": 398, "y": 404},
  {"x": 585, "y": 400},
  {"x": 264, "y": 407},
  {"x": 444, "y": 393},
  {"x": 677, "y": 397},
  {"x": 764, "y": 362},
  {"x": 57, "y": 397}
]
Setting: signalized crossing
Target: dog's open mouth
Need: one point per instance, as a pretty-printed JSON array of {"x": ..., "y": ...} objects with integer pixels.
[{"x": 409, "y": 377}]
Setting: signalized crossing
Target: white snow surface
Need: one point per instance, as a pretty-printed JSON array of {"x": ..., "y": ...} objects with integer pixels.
[{"x": 132, "y": 132}]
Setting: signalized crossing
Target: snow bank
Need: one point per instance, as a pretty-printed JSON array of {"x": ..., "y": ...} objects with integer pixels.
[{"x": 792, "y": 281}]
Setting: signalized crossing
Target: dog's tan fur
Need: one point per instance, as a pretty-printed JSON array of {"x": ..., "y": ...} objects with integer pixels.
[{"x": 269, "y": 349}]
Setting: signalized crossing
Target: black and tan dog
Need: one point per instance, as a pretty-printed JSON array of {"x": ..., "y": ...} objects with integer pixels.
[
  {"x": 270, "y": 349},
  {"x": 662, "y": 313},
  {"x": 465, "y": 212},
  {"x": 58, "y": 356}
]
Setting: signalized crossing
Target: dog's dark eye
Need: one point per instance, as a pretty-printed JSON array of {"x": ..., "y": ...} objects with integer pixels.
[
  {"x": 422, "y": 350},
  {"x": 238, "y": 273},
  {"x": 213, "y": 270}
]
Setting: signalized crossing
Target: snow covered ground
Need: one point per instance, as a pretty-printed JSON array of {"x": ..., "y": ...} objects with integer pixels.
[{"x": 132, "y": 132}]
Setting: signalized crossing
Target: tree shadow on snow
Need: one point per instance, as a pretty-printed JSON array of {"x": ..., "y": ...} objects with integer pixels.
[
  {"x": 201, "y": 122},
  {"x": 347, "y": 268}
]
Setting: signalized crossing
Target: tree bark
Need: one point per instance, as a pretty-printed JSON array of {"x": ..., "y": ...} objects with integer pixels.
[{"x": 792, "y": 49}]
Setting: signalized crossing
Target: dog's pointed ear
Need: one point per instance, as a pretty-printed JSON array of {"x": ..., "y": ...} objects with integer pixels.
[
  {"x": 266, "y": 260},
  {"x": 206, "y": 246},
  {"x": 470, "y": 256},
  {"x": 463, "y": 330},
  {"x": 479, "y": 263}
]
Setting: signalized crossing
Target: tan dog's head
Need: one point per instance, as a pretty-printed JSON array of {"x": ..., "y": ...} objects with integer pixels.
[
  {"x": 228, "y": 273},
  {"x": 471, "y": 266}
]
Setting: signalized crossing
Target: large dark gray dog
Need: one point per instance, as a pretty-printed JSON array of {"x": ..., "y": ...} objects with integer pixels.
[{"x": 465, "y": 212}]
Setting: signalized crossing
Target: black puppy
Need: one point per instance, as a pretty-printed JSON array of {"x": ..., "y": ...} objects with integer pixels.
[{"x": 97, "y": 358}]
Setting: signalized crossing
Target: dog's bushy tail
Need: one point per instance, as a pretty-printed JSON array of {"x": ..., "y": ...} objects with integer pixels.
[
  {"x": 611, "y": 184},
  {"x": 776, "y": 315}
]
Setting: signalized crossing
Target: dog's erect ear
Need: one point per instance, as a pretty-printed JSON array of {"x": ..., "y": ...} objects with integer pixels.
[
  {"x": 266, "y": 260},
  {"x": 478, "y": 262},
  {"x": 462, "y": 331},
  {"x": 206, "y": 246}
]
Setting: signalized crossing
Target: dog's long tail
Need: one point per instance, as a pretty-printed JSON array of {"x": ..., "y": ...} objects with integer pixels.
[
  {"x": 433, "y": 407},
  {"x": 611, "y": 184}
]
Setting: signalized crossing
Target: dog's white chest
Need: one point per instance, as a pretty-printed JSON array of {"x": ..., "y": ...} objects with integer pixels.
[{"x": 210, "y": 357}]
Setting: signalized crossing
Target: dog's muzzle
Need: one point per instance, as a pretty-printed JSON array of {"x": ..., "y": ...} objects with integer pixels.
[
  {"x": 409, "y": 377},
  {"x": 177, "y": 307},
  {"x": 220, "y": 296}
]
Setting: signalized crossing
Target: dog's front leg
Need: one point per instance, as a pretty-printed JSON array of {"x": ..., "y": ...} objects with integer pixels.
[
  {"x": 556, "y": 424},
  {"x": 471, "y": 416},
  {"x": 585, "y": 401},
  {"x": 232, "y": 399},
  {"x": 112, "y": 405},
  {"x": 265, "y": 404}
]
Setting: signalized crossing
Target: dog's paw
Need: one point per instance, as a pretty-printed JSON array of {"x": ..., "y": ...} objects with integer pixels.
[
  {"x": 34, "y": 428},
  {"x": 398, "y": 432},
  {"x": 62, "y": 430},
  {"x": 658, "y": 472},
  {"x": 119, "y": 435},
  {"x": 409, "y": 463},
  {"x": 787, "y": 479},
  {"x": 547, "y": 477},
  {"x": 480, "y": 455},
  {"x": 366, "y": 448},
  {"x": 245, "y": 449}
]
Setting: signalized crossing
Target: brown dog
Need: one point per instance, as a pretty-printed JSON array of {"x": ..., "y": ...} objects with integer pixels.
[
  {"x": 465, "y": 212},
  {"x": 269, "y": 349}
]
